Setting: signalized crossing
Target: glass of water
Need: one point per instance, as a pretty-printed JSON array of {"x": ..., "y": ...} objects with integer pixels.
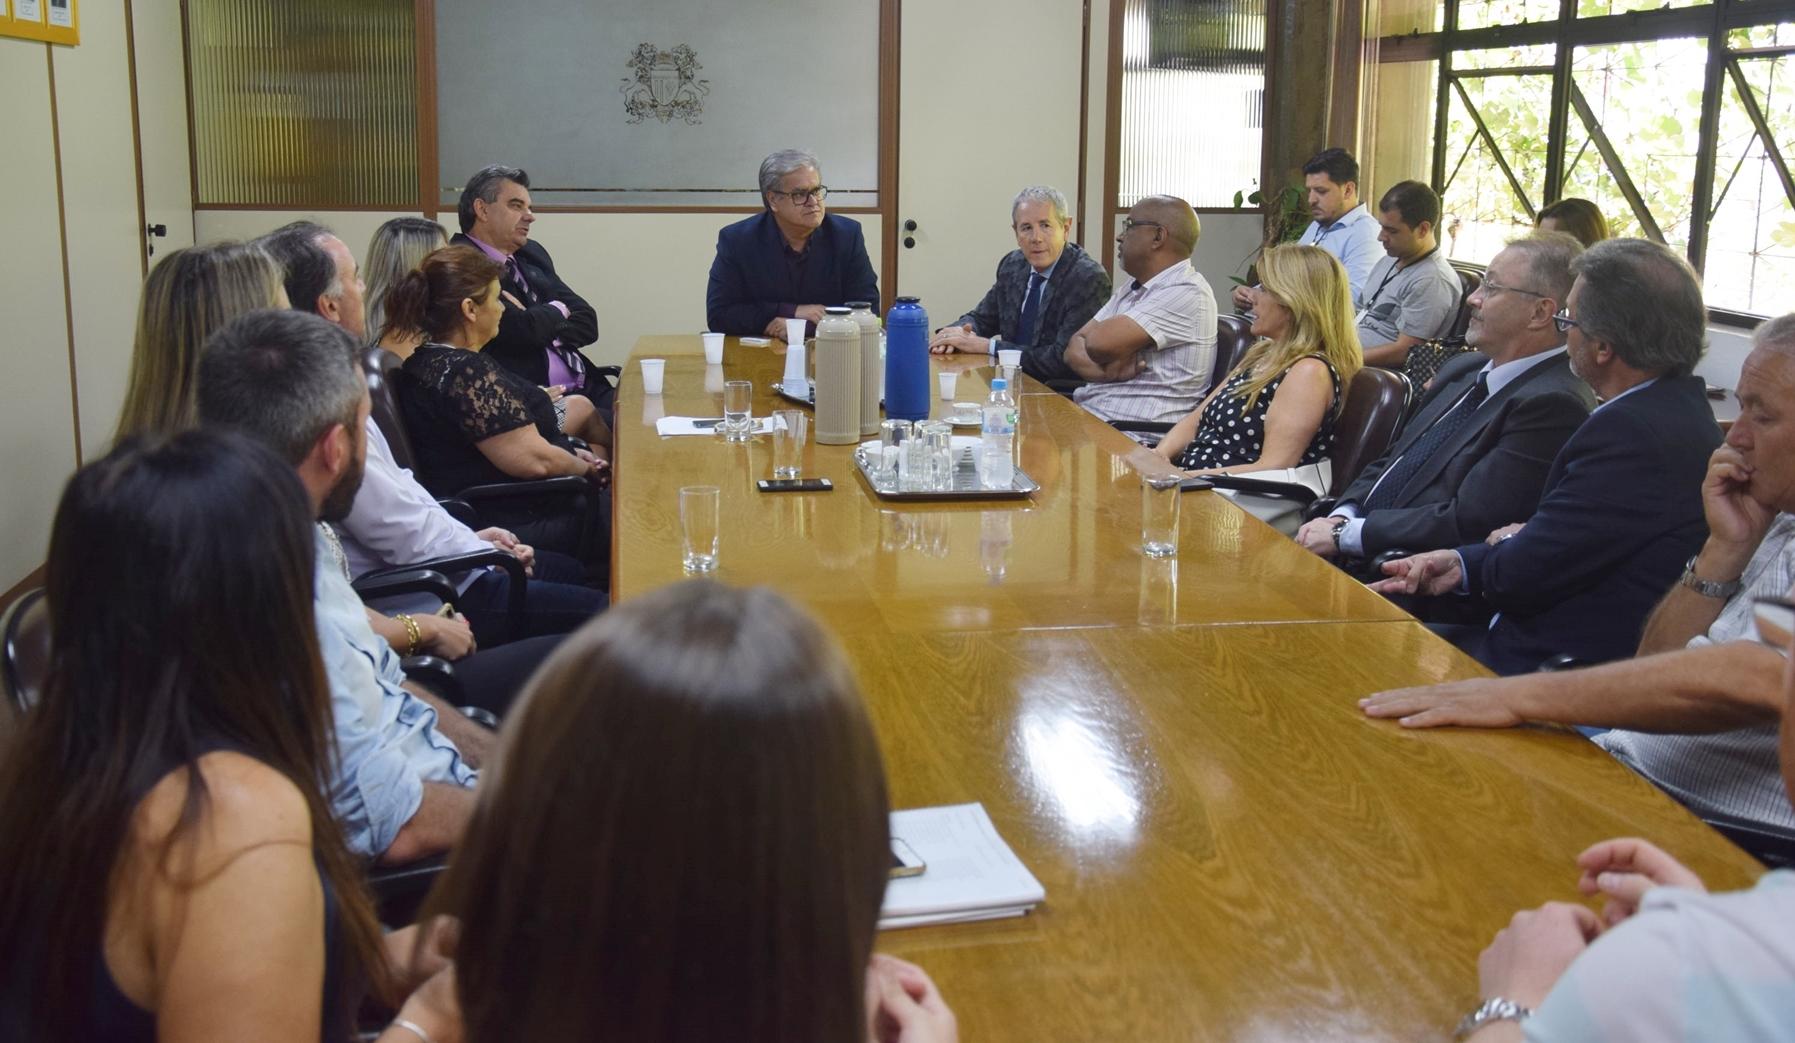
[
  {"x": 791, "y": 429},
  {"x": 738, "y": 410},
  {"x": 700, "y": 519},
  {"x": 1160, "y": 497},
  {"x": 938, "y": 436}
]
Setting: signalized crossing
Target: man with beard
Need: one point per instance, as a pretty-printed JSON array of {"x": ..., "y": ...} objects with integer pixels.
[{"x": 406, "y": 760}]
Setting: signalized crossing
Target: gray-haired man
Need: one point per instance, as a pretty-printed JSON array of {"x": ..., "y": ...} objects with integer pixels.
[
  {"x": 791, "y": 260},
  {"x": 1046, "y": 289}
]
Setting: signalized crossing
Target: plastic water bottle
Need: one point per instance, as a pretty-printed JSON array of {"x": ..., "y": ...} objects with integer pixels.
[
  {"x": 997, "y": 467},
  {"x": 907, "y": 380}
]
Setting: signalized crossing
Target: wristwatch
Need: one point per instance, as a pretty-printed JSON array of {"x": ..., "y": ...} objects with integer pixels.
[
  {"x": 1493, "y": 1010},
  {"x": 1339, "y": 523},
  {"x": 1708, "y": 588}
]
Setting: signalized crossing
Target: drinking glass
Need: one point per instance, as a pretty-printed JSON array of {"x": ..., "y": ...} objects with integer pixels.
[
  {"x": 938, "y": 438},
  {"x": 791, "y": 428},
  {"x": 700, "y": 519},
  {"x": 1160, "y": 497},
  {"x": 738, "y": 410}
]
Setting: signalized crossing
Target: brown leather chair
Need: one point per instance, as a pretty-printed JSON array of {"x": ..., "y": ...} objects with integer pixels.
[
  {"x": 1469, "y": 279},
  {"x": 1377, "y": 400}
]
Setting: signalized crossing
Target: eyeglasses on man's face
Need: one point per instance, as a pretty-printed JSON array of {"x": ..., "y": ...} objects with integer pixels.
[
  {"x": 1490, "y": 288},
  {"x": 1563, "y": 320},
  {"x": 804, "y": 195},
  {"x": 1129, "y": 224}
]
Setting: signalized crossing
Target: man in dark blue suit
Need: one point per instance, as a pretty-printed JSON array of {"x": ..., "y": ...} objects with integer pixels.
[
  {"x": 791, "y": 260},
  {"x": 1476, "y": 454},
  {"x": 1622, "y": 511}
]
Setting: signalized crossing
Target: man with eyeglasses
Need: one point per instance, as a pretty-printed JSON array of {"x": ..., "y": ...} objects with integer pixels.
[
  {"x": 791, "y": 260},
  {"x": 1621, "y": 511},
  {"x": 1476, "y": 454},
  {"x": 1695, "y": 711},
  {"x": 1046, "y": 289},
  {"x": 1148, "y": 353}
]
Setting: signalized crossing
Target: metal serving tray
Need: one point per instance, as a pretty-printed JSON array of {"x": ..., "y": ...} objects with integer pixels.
[{"x": 965, "y": 482}]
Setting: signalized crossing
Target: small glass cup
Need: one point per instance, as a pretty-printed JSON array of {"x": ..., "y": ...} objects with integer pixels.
[
  {"x": 1160, "y": 497},
  {"x": 937, "y": 436},
  {"x": 653, "y": 373},
  {"x": 791, "y": 428},
  {"x": 700, "y": 524},
  {"x": 713, "y": 348},
  {"x": 738, "y": 410}
]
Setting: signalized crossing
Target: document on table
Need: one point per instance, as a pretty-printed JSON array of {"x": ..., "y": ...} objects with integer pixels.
[
  {"x": 669, "y": 426},
  {"x": 971, "y": 873}
]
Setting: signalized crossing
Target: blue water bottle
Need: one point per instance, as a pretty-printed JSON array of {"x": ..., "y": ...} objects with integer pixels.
[{"x": 907, "y": 361}]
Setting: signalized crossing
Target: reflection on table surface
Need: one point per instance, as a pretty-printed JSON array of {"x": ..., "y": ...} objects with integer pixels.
[{"x": 1230, "y": 850}]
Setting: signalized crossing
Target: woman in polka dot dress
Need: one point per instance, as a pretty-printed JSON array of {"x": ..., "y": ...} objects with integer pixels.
[{"x": 1277, "y": 407}]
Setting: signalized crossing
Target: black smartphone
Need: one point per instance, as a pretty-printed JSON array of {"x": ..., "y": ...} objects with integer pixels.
[{"x": 796, "y": 485}]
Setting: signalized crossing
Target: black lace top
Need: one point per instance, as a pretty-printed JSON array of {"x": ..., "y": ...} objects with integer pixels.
[
  {"x": 1226, "y": 437},
  {"x": 453, "y": 398}
]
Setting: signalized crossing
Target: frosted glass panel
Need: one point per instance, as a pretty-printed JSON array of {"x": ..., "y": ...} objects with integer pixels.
[{"x": 550, "y": 86}]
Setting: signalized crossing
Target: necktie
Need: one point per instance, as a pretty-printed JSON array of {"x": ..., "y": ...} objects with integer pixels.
[
  {"x": 516, "y": 275},
  {"x": 1031, "y": 309},
  {"x": 1411, "y": 462}
]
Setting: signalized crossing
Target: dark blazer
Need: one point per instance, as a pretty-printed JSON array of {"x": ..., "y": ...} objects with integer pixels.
[
  {"x": 1487, "y": 475},
  {"x": 526, "y": 333},
  {"x": 1621, "y": 514},
  {"x": 1076, "y": 288},
  {"x": 756, "y": 279}
]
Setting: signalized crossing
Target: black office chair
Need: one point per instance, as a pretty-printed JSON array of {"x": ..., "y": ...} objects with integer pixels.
[{"x": 563, "y": 492}]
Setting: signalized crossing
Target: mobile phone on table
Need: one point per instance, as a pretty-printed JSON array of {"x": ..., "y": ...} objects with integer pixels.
[
  {"x": 904, "y": 860},
  {"x": 795, "y": 485}
]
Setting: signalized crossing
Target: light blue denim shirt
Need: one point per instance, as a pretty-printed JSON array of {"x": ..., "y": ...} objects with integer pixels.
[
  {"x": 387, "y": 742},
  {"x": 1353, "y": 239}
]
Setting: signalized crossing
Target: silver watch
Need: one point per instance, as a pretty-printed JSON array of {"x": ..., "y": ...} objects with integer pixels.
[
  {"x": 1493, "y": 1009},
  {"x": 1708, "y": 588}
]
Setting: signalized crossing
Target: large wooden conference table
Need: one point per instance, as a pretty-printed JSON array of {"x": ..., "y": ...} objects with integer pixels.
[{"x": 1230, "y": 850}]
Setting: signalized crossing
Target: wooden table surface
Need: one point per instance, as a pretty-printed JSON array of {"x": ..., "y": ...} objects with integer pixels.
[{"x": 1230, "y": 849}]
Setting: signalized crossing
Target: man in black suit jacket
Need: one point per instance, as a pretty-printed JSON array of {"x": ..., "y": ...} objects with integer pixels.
[
  {"x": 1622, "y": 511},
  {"x": 545, "y": 322},
  {"x": 791, "y": 260},
  {"x": 1476, "y": 454},
  {"x": 1046, "y": 290}
]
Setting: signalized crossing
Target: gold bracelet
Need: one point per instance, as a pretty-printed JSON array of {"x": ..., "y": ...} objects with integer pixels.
[{"x": 413, "y": 632}]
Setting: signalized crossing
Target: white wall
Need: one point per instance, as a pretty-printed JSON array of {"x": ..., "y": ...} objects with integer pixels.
[{"x": 644, "y": 273}]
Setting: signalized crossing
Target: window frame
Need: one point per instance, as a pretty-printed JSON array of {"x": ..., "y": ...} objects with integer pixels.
[{"x": 1711, "y": 22}]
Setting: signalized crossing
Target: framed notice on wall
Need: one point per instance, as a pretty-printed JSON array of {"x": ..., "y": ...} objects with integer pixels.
[{"x": 52, "y": 21}]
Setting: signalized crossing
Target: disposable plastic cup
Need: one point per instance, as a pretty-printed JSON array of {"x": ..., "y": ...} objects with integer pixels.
[
  {"x": 713, "y": 349},
  {"x": 949, "y": 382},
  {"x": 653, "y": 371}
]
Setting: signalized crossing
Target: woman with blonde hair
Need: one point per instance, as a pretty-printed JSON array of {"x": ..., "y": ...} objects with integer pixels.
[
  {"x": 190, "y": 293},
  {"x": 685, "y": 838},
  {"x": 398, "y": 247},
  {"x": 1277, "y": 407}
]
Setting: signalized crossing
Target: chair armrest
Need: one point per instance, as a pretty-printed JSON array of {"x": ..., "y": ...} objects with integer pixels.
[
  {"x": 481, "y": 716},
  {"x": 434, "y": 673},
  {"x": 561, "y": 485},
  {"x": 394, "y": 582},
  {"x": 399, "y": 891},
  {"x": 1560, "y": 663},
  {"x": 457, "y": 563},
  {"x": 1294, "y": 491},
  {"x": 461, "y": 511},
  {"x": 1321, "y": 508}
]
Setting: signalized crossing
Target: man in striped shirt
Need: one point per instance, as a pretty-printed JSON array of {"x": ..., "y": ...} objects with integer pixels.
[
  {"x": 1696, "y": 710},
  {"x": 1149, "y": 352}
]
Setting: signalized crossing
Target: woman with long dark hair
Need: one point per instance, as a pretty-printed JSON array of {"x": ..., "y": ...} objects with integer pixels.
[
  {"x": 685, "y": 838},
  {"x": 169, "y": 868}
]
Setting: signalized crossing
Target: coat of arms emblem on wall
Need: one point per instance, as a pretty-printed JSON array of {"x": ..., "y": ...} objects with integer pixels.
[{"x": 665, "y": 85}]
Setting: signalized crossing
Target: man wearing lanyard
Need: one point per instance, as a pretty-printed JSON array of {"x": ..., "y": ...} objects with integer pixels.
[
  {"x": 1412, "y": 295},
  {"x": 1341, "y": 225}
]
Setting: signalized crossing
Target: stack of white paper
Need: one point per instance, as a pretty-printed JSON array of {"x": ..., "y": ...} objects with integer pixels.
[
  {"x": 669, "y": 426},
  {"x": 972, "y": 874}
]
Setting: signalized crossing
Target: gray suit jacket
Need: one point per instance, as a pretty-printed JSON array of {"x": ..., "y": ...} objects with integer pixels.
[
  {"x": 1487, "y": 475},
  {"x": 1077, "y": 288}
]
